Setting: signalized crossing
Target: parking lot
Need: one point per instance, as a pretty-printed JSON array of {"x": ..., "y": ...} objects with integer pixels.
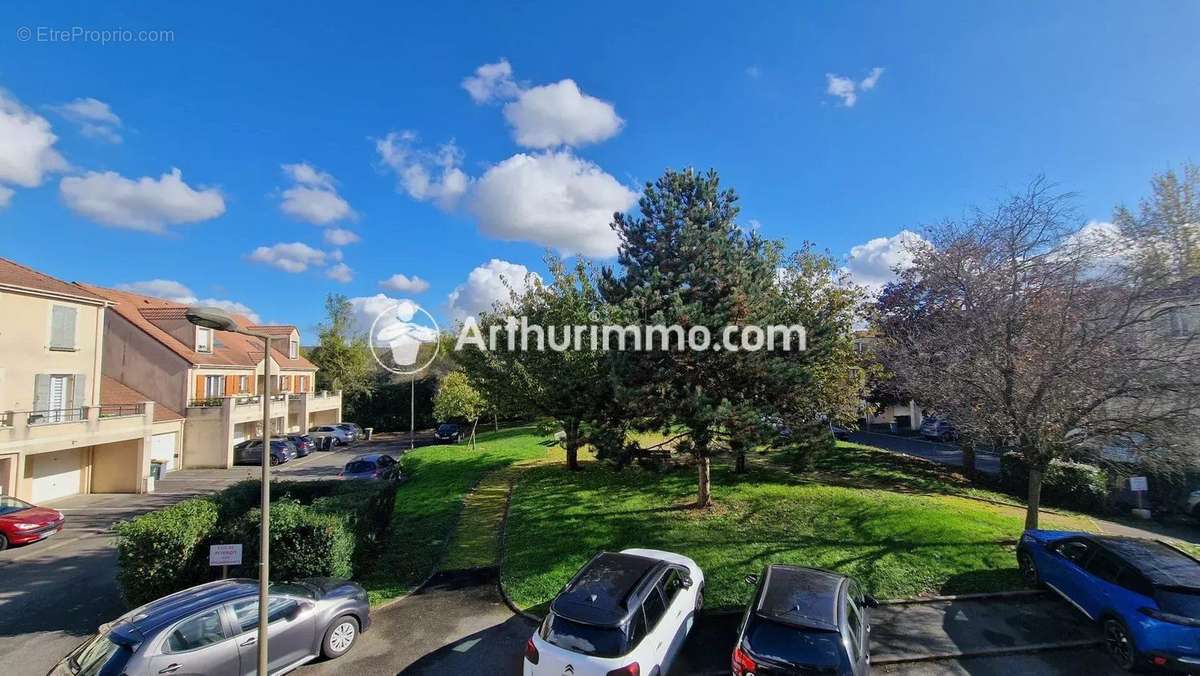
[{"x": 57, "y": 591}]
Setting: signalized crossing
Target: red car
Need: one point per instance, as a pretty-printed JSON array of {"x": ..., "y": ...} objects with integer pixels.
[{"x": 22, "y": 523}]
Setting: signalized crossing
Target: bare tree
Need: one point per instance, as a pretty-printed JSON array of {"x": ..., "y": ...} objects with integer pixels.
[{"x": 1021, "y": 326}]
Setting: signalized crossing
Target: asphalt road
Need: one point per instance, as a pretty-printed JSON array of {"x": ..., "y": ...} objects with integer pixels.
[
  {"x": 54, "y": 593},
  {"x": 944, "y": 453}
]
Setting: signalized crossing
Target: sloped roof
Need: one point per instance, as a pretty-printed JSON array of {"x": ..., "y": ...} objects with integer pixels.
[
  {"x": 114, "y": 393},
  {"x": 274, "y": 329},
  {"x": 15, "y": 274},
  {"x": 229, "y": 349}
]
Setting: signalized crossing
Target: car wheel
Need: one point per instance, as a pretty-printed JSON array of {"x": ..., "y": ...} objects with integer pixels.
[
  {"x": 340, "y": 637},
  {"x": 1119, "y": 645},
  {"x": 1029, "y": 571},
  {"x": 3, "y": 543},
  {"x": 700, "y": 599},
  {"x": 274, "y": 461}
]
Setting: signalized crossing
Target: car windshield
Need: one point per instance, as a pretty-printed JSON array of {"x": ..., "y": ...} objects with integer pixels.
[
  {"x": 99, "y": 655},
  {"x": 1184, "y": 602},
  {"x": 9, "y": 505},
  {"x": 359, "y": 467},
  {"x": 446, "y": 429},
  {"x": 584, "y": 639},
  {"x": 781, "y": 643}
]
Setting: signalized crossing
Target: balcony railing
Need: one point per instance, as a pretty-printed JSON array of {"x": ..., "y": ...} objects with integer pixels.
[
  {"x": 207, "y": 402},
  {"x": 119, "y": 410},
  {"x": 58, "y": 415}
]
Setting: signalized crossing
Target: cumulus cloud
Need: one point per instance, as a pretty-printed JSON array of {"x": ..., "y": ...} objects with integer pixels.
[
  {"x": 846, "y": 89},
  {"x": 426, "y": 176},
  {"x": 487, "y": 284},
  {"x": 555, "y": 199},
  {"x": 364, "y": 310},
  {"x": 340, "y": 273},
  {"x": 340, "y": 237},
  {"x": 873, "y": 264},
  {"x": 405, "y": 284},
  {"x": 491, "y": 81},
  {"x": 169, "y": 289},
  {"x": 94, "y": 117},
  {"x": 144, "y": 204},
  {"x": 290, "y": 257},
  {"x": 27, "y": 150},
  {"x": 314, "y": 197}
]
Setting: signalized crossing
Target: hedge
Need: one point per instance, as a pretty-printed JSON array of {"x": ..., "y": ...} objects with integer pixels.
[
  {"x": 157, "y": 552},
  {"x": 1066, "y": 484},
  {"x": 318, "y": 529}
]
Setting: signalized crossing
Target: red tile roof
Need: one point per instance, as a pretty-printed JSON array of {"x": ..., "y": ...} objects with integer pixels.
[
  {"x": 274, "y": 329},
  {"x": 15, "y": 274},
  {"x": 115, "y": 393}
]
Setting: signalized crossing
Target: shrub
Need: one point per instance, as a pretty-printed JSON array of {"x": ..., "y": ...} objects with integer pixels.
[
  {"x": 1067, "y": 484},
  {"x": 304, "y": 542},
  {"x": 157, "y": 552}
]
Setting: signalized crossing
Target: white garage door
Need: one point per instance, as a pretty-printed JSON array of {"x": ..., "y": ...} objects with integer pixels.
[
  {"x": 56, "y": 475},
  {"x": 162, "y": 449}
]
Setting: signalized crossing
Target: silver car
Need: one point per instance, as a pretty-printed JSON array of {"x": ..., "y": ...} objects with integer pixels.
[{"x": 212, "y": 630}]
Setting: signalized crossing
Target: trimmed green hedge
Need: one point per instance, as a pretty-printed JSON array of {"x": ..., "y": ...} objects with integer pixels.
[
  {"x": 318, "y": 529},
  {"x": 1066, "y": 484}
]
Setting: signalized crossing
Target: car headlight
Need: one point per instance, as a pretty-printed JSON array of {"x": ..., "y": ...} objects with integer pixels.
[{"x": 27, "y": 526}]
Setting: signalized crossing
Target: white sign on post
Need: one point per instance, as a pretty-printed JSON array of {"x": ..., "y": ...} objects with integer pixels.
[
  {"x": 225, "y": 555},
  {"x": 1138, "y": 483}
]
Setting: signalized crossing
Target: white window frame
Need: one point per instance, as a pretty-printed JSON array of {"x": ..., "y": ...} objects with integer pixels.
[
  {"x": 293, "y": 349},
  {"x": 207, "y": 347},
  {"x": 219, "y": 380},
  {"x": 243, "y": 384}
]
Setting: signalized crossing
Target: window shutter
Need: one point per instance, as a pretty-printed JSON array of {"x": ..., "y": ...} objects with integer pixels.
[
  {"x": 41, "y": 391},
  {"x": 199, "y": 388},
  {"x": 231, "y": 383},
  {"x": 81, "y": 398},
  {"x": 62, "y": 327}
]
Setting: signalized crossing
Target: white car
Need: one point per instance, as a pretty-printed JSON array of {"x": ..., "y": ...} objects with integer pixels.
[
  {"x": 340, "y": 436},
  {"x": 623, "y": 614}
]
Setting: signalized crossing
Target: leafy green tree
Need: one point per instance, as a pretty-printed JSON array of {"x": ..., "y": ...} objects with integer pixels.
[
  {"x": 342, "y": 356},
  {"x": 456, "y": 399},
  {"x": 685, "y": 262},
  {"x": 1164, "y": 234}
]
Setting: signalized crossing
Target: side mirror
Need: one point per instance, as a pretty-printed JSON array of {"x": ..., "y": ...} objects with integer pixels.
[
  {"x": 686, "y": 582},
  {"x": 751, "y": 579},
  {"x": 870, "y": 601}
]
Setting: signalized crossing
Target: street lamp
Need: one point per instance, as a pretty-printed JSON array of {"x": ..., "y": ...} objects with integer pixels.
[{"x": 219, "y": 320}]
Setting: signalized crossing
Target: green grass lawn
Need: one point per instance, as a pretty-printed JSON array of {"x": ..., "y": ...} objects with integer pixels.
[
  {"x": 428, "y": 505},
  {"x": 903, "y": 527}
]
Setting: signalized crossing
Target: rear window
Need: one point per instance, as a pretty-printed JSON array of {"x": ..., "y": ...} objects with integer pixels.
[
  {"x": 99, "y": 657},
  {"x": 584, "y": 639},
  {"x": 360, "y": 466},
  {"x": 808, "y": 647},
  {"x": 1185, "y": 603}
]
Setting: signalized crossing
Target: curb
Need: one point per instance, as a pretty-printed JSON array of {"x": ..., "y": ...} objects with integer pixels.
[
  {"x": 500, "y": 564},
  {"x": 989, "y": 652},
  {"x": 397, "y": 599},
  {"x": 985, "y": 596}
]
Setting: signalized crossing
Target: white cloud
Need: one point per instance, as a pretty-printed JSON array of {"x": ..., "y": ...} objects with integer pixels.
[
  {"x": 872, "y": 264},
  {"x": 314, "y": 197},
  {"x": 559, "y": 114},
  {"x": 405, "y": 284},
  {"x": 491, "y": 81},
  {"x": 145, "y": 204},
  {"x": 289, "y": 257},
  {"x": 341, "y": 237},
  {"x": 424, "y": 175},
  {"x": 555, "y": 199},
  {"x": 94, "y": 117},
  {"x": 340, "y": 273},
  {"x": 487, "y": 284},
  {"x": 169, "y": 289},
  {"x": 27, "y": 151},
  {"x": 847, "y": 89}
]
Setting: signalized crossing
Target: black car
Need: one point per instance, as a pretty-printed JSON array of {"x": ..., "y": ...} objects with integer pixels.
[
  {"x": 303, "y": 443},
  {"x": 840, "y": 433},
  {"x": 804, "y": 621},
  {"x": 448, "y": 432},
  {"x": 250, "y": 452}
]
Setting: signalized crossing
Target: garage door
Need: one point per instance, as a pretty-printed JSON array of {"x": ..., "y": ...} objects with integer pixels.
[
  {"x": 162, "y": 449},
  {"x": 56, "y": 475}
]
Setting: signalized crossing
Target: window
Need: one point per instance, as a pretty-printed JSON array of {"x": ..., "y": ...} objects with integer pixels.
[
  {"x": 62, "y": 328},
  {"x": 1135, "y": 582},
  {"x": 584, "y": 639},
  {"x": 203, "y": 339},
  {"x": 654, "y": 607},
  {"x": 199, "y": 631},
  {"x": 293, "y": 348},
  {"x": 1105, "y": 566},
  {"x": 214, "y": 386},
  {"x": 637, "y": 629},
  {"x": 246, "y": 612},
  {"x": 671, "y": 584},
  {"x": 1074, "y": 550},
  {"x": 243, "y": 383},
  {"x": 854, "y": 620}
]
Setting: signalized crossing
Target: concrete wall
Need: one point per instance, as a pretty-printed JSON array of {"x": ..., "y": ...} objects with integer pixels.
[
  {"x": 25, "y": 348},
  {"x": 206, "y": 442},
  {"x": 116, "y": 468},
  {"x": 141, "y": 362}
]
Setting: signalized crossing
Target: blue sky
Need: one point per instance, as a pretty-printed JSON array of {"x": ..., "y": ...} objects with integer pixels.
[{"x": 973, "y": 99}]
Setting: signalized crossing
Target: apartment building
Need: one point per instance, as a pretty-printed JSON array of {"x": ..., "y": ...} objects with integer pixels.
[
  {"x": 214, "y": 377},
  {"x": 65, "y": 428}
]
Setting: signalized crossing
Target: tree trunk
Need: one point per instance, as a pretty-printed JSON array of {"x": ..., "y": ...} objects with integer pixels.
[
  {"x": 704, "y": 495},
  {"x": 740, "y": 450},
  {"x": 1035, "y": 498},
  {"x": 968, "y": 458},
  {"x": 571, "y": 443},
  {"x": 473, "y": 426},
  {"x": 496, "y": 420}
]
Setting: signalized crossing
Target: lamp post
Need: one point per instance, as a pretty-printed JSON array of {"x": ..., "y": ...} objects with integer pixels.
[{"x": 219, "y": 320}]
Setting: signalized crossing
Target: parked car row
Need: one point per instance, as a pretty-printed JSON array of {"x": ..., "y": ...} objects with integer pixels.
[
  {"x": 292, "y": 446},
  {"x": 629, "y": 613},
  {"x": 341, "y": 433}
]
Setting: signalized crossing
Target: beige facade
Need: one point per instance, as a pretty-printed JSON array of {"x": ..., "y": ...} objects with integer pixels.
[{"x": 57, "y": 436}]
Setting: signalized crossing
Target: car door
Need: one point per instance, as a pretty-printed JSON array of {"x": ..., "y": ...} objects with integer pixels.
[
  {"x": 199, "y": 645},
  {"x": 1064, "y": 570},
  {"x": 1102, "y": 589},
  {"x": 858, "y": 630},
  {"x": 291, "y": 627},
  {"x": 678, "y": 617}
]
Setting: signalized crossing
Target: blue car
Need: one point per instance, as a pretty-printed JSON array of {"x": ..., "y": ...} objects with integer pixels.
[{"x": 1145, "y": 594}]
